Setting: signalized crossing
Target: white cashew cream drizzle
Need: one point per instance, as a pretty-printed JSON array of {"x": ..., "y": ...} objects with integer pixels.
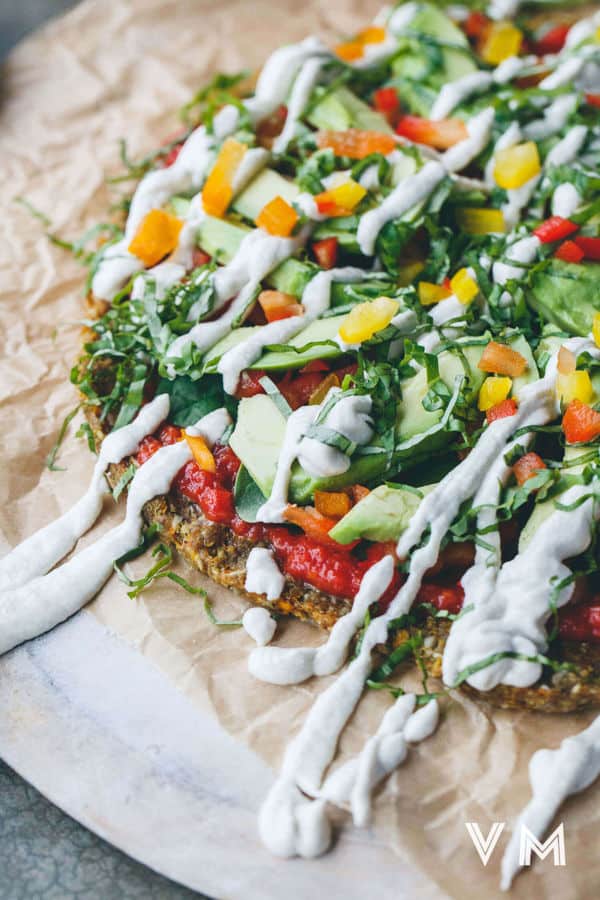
[
  {"x": 258, "y": 623},
  {"x": 291, "y": 824},
  {"x": 38, "y": 553},
  {"x": 263, "y": 575}
]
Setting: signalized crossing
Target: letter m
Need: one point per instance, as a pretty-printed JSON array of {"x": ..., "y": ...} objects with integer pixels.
[{"x": 555, "y": 843}]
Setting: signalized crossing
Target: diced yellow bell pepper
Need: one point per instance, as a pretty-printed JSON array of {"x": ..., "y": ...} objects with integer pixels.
[
  {"x": 156, "y": 237},
  {"x": 463, "y": 286},
  {"x": 596, "y": 329},
  {"x": 475, "y": 220},
  {"x": 201, "y": 452},
  {"x": 365, "y": 319},
  {"x": 340, "y": 200},
  {"x": 494, "y": 390},
  {"x": 516, "y": 165},
  {"x": 502, "y": 40},
  {"x": 574, "y": 386},
  {"x": 432, "y": 293},
  {"x": 278, "y": 217},
  {"x": 217, "y": 192}
]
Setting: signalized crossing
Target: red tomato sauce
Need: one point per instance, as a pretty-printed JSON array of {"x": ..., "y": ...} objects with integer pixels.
[{"x": 329, "y": 569}]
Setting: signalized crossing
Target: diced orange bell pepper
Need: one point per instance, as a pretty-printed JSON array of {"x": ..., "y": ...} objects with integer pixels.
[
  {"x": 430, "y": 293},
  {"x": 217, "y": 192},
  {"x": 354, "y": 143},
  {"x": 156, "y": 237},
  {"x": 500, "y": 359},
  {"x": 332, "y": 503},
  {"x": 566, "y": 361},
  {"x": 373, "y": 34},
  {"x": 441, "y": 134},
  {"x": 527, "y": 467},
  {"x": 311, "y": 522},
  {"x": 581, "y": 423},
  {"x": 201, "y": 453},
  {"x": 475, "y": 220},
  {"x": 340, "y": 200},
  {"x": 320, "y": 392},
  {"x": 516, "y": 165},
  {"x": 501, "y": 40},
  {"x": 355, "y": 48},
  {"x": 278, "y": 217},
  {"x": 276, "y": 305}
]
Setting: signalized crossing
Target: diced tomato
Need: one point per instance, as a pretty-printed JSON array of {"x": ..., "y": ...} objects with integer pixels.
[
  {"x": 500, "y": 359},
  {"x": 581, "y": 423},
  {"x": 387, "y": 102},
  {"x": 579, "y": 623},
  {"x": 315, "y": 365},
  {"x": 502, "y": 410},
  {"x": 527, "y": 467},
  {"x": 199, "y": 258},
  {"x": 442, "y": 135},
  {"x": 217, "y": 505},
  {"x": 148, "y": 447},
  {"x": 326, "y": 252},
  {"x": 590, "y": 246},
  {"x": 569, "y": 252},
  {"x": 201, "y": 487},
  {"x": 276, "y": 305},
  {"x": 476, "y": 24},
  {"x": 169, "y": 434},
  {"x": 227, "y": 465},
  {"x": 249, "y": 384},
  {"x": 555, "y": 229},
  {"x": 354, "y": 143},
  {"x": 449, "y": 598},
  {"x": 593, "y": 99},
  {"x": 552, "y": 41}
]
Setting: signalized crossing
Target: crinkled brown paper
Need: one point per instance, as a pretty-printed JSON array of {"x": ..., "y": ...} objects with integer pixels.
[{"x": 112, "y": 69}]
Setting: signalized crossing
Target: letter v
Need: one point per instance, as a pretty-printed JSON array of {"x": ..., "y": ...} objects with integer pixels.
[{"x": 484, "y": 846}]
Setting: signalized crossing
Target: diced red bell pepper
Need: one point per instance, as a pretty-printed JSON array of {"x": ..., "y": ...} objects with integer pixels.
[
  {"x": 298, "y": 388},
  {"x": 148, "y": 447},
  {"x": 475, "y": 25},
  {"x": 326, "y": 252},
  {"x": 593, "y": 99},
  {"x": 387, "y": 102},
  {"x": 172, "y": 155},
  {"x": 581, "y": 423},
  {"x": 502, "y": 410},
  {"x": 590, "y": 246},
  {"x": 315, "y": 365},
  {"x": 527, "y": 467},
  {"x": 580, "y": 622},
  {"x": 227, "y": 464},
  {"x": 551, "y": 42},
  {"x": 442, "y": 135},
  {"x": 555, "y": 229},
  {"x": 569, "y": 252},
  {"x": 449, "y": 598},
  {"x": 199, "y": 258}
]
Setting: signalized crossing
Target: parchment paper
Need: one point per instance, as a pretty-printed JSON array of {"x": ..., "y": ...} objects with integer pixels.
[{"x": 112, "y": 69}]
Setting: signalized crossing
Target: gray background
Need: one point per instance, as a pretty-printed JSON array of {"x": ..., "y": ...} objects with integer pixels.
[{"x": 43, "y": 853}]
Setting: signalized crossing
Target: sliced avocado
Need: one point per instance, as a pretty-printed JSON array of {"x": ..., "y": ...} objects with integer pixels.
[
  {"x": 380, "y": 516},
  {"x": 261, "y": 190},
  {"x": 257, "y": 439},
  {"x": 235, "y": 337},
  {"x": 319, "y": 331},
  {"x": 430, "y": 19},
  {"x": 179, "y": 206},
  {"x": 566, "y": 294},
  {"x": 340, "y": 109},
  {"x": 220, "y": 238},
  {"x": 413, "y": 418},
  {"x": 291, "y": 277}
]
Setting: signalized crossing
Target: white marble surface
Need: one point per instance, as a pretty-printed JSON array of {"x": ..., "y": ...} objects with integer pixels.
[{"x": 107, "y": 738}]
